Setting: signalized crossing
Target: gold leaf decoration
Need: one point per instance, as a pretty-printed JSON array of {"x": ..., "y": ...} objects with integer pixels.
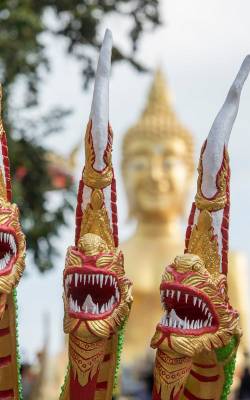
[
  {"x": 95, "y": 219},
  {"x": 219, "y": 201},
  {"x": 204, "y": 244}
]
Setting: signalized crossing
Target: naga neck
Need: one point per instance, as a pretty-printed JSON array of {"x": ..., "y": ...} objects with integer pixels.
[
  {"x": 9, "y": 382},
  {"x": 206, "y": 378},
  {"x": 91, "y": 369},
  {"x": 177, "y": 377},
  {"x": 85, "y": 358},
  {"x": 170, "y": 375}
]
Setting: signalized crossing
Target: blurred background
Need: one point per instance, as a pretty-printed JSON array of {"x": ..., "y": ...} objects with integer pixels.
[{"x": 48, "y": 55}]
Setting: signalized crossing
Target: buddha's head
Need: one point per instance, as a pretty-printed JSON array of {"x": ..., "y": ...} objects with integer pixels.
[{"x": 157, "y": 160}]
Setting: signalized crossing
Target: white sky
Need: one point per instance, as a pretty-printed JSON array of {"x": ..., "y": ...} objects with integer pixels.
[{"x": 200, "y": 49}]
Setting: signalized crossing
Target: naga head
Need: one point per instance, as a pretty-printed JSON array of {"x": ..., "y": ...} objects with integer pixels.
[
  {"x": 198, "y": 315},
  {"x": 97, "y": 294},
  {"x": 12, "y": 247}
]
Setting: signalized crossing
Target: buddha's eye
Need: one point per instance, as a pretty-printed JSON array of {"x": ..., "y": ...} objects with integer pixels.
[{"x": 138, "y": 164}]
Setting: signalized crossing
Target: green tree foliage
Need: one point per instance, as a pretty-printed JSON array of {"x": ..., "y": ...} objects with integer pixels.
[{"x": 23, "y": 58}]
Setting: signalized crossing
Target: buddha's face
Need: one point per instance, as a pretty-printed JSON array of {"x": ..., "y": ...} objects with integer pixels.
[{"x": 157, "y": 178}]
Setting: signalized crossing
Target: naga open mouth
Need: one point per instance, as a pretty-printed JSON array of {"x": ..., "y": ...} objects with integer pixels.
[
  {"x": 90, "y": 294},
  {"x": 8, "y": 251},
  {"x": 188, "y": 311}
]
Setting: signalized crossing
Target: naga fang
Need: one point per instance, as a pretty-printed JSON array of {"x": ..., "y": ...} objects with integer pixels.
[
  {"x": 12, "y": 256},
  {"x": 199, "y": 333},
  {"x": 97, "y": 295}
]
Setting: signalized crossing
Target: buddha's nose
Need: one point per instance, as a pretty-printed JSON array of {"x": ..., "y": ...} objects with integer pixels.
[{"x": 156, "y": 172}]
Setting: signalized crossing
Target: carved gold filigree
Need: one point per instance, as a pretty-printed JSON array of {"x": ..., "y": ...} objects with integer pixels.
[
  {"x": 204, "y": 244},
  {"x": 3, "y": 194},
  {"x": 92, "y": 244},
  {"x": 219, "y": 201},
  {"x": 170, "y": 374},
  {"x": 91, "y": 177},
  {"x": 72, "y": 259},
  {"x": 95, "y": 220},
  {"x": 85, "y": 357}
]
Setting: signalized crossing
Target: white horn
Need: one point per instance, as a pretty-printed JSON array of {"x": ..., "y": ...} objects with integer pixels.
[
  {"x": 100, "y": 104},
  {"x": 219, "y": 134}
]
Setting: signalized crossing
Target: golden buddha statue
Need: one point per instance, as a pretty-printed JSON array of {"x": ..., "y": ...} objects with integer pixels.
[{"x": 158, "y": 166}]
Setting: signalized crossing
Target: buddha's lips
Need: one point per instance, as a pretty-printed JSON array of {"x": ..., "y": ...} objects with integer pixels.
[
  {"x": 8, "y": 250},
  {"x": 187, "y": 310},
  {"x": 91, "y": 294}
]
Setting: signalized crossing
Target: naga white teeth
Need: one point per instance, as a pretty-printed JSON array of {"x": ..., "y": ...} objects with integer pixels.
[
  {"x": 186, "y": 303},
  {"x": 172, "y": 320},
  {"x": 89, "y": 306},
  {"x": 7, "y": 238}
]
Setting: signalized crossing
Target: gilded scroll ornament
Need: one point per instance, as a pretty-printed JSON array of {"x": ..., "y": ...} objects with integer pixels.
[
  {"x": 91, "y": 177},
  {"x": 219, "y": 201},
  {"x": 204, "y": 244}
]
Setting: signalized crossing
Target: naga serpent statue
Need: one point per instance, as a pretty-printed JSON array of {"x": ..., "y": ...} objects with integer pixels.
[
  {"x": 12, "y": 255},
  {"x": 97, "y": 295},
  {"x": 198, "y": 335}
]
